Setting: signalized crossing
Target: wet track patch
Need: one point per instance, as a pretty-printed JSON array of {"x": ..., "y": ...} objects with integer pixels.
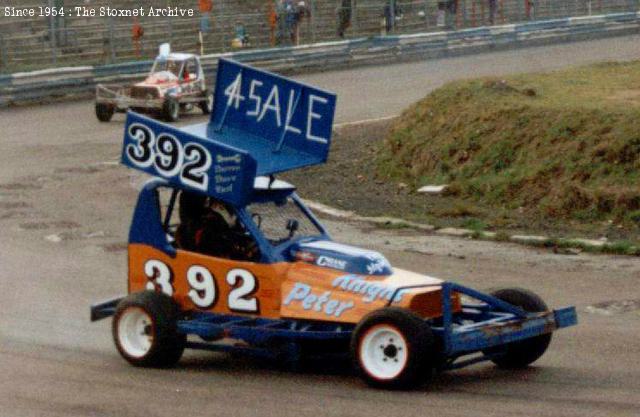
[
  {"x": 34, "y": 225},
  {"x": 62, "y": 224},
  {"x": 75, "y": 235},
  {"x": 13, "y": 215},
  {"x": 8, "y": 205},
  {"x": 78, "y": 170},
  {"x": 611, "y": 308},
  {"x": 18, "y": 186},
  {"x": 115, "y": 247}
]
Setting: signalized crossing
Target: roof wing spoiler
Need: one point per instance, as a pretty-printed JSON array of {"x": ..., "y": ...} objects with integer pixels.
[
  {"x": 188, "y": 161},
  {"x": 261, "y": 124},
  {"x": 284, "y": 124}
]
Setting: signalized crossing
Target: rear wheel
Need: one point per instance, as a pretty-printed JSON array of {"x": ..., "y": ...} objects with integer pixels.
[
  {"x": 145, "y": 330},
  {"x": 393, "y": 348},
  {"x": 521, "y": 354},
  {"x": 104, "y": 112},
  {"x": 206, "y": 105},
  {"x": 171, "y": 109}
]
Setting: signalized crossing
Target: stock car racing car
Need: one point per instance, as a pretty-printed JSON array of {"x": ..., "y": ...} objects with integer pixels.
[
  {"x": 176, "y": 82},
  {"x": 225, "y": 257}
]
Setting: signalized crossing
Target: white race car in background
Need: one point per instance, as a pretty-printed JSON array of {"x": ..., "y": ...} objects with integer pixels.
[{"x": 176, "y": 82}]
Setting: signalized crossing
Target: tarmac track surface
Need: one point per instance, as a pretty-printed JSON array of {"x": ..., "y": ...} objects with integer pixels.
[{"x": 65, "y": 207}]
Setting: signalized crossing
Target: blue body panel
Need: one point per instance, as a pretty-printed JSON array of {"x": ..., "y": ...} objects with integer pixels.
[
  {"x": 261, "y": 124},
  {"x": 284, "y": 124},
  {"x": 346, "y": 258},
  {"x": 146, "y": 227},
  {"x": 200, "y": 163}
]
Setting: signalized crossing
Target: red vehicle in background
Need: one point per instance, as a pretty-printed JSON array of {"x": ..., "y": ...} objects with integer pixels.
[{"x": 176, "y": 83}]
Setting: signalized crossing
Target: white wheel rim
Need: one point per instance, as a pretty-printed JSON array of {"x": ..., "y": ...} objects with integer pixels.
[
  {"x": 383, "y": 352},
  {"x": 135, "y": 332},
  {"x": 209, "y": 103},
  {"x": 175, "y": 109}
]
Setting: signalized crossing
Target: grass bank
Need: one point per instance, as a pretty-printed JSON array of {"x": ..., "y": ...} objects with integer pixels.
[{"x": 554, "y": 148}]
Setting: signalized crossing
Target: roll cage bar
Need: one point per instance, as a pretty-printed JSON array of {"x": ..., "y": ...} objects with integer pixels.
[{"x": 148, "y": 210}]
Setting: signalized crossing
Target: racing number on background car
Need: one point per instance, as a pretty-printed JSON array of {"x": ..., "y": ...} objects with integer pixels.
[
  {"x": 169, "y": 157},
  {"x": 203, "y": 290}
]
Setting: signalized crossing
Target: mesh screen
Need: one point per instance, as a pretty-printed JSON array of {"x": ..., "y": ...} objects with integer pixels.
[{"x": 273, "y": 219}]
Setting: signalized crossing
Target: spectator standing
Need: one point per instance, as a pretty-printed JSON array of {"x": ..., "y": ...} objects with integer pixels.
[
  {"x": 442, "y": 12},
  {"x": 291, "y": 21},
  {"x": 241, "y": 38},
  {"x": 447, "y": 10},
  {"x": 272, "y": 18},
  {"x": 281, "y": 18},
  {"x": 344, "y": 16},
  {"x": 137, "y": 32},
  {"x": 493, "y": 10},
  {"x": 288, "y": 16},
  {"x": 391, "y": 13},
  {"x": 452, "y": 12},
  {"x": 300, "y": 12},
  {"x": 531, "y": 9},
  {"x": 205, "y": 7}
]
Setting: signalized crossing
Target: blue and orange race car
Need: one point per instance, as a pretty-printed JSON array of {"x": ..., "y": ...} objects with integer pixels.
[{"x": 223, "y": 256}]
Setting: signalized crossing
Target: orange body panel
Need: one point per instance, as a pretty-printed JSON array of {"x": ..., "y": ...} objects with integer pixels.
[
  {"x": 282, "y": 290},
  {"x": 268, "y": 278}
]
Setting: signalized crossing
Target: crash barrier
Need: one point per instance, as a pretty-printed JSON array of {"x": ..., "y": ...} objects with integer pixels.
[
  {"x": 61, "y": 82},
  {"x": 45, "y": 41}
]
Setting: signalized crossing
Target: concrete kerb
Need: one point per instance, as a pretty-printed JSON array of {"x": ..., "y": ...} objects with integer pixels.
[
  {"x": 574, "y": 245},
  {"x": 590, "y": 245}
]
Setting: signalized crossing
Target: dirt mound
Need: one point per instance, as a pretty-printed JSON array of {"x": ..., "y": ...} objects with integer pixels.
[{"x": 555, "y": 145}]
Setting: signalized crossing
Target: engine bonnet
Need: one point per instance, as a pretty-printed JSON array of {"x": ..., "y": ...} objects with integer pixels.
[{"x": 351, "y": 259}]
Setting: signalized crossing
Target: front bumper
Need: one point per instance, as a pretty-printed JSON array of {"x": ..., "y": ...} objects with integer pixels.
[
  {"x": 124, "y": 103},
  {"x": 120, "y": 97},
  {"x": 104, "y": 309},
  {"x": 481, "y": 336}
]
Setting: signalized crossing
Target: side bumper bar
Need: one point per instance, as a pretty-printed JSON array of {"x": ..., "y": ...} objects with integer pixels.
[
  {"x": 465, "y": 339},
  {"x": 104, "y": 309},
  {"x": 516, "y": 324}
]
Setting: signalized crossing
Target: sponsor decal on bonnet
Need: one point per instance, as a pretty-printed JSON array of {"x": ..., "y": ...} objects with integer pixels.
[
  {"x": 370, "y": 290},
  {"x": 331, "y": 262}
]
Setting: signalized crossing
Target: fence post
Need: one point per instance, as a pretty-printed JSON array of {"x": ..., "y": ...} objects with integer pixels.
[
  {"x": 3, "y": 54},
  {"x": 170, "y": 29},
  {"x": 354, "y": 18},
  {"x": 222, "y": 28},
  {"x": 312, "y": 19},
  {"x": 112, "y": 46},
  {"x": 463, "y": 11},
  {"x": 392, "y": 16},
  {"x": 426, "y": 14},
  {"x": 52, "y": 36}
]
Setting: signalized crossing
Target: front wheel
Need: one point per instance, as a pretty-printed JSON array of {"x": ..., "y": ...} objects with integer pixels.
[
  {"x": 171, "y": 109},
  {"x": 145, "y": 330},
  {"x": 104, "y": 112},
  {"x": 393, "y": 348},
  {"x": 206, "y": 105},
  {"x": 522, "y": 353}
]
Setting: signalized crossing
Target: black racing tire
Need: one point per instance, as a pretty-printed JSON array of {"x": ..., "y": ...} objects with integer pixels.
[
  {"x": 145, "y": 332},
  {"x": 171, "y": 109},
  {"x": 521, "y": 354},
  {"x": 393, "y": 348},
  {"x": 104, "y": 112},
  {"x": 206, "y": 105}
]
